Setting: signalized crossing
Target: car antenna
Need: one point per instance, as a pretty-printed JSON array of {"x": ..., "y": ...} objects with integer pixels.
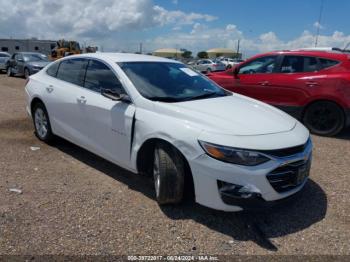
[{"x": 346, "y": 46}]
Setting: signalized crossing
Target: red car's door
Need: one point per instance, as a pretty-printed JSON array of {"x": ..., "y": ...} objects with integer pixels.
[
  {"x": 256, "y": 78},
  {"x": 297, "y": 76}
]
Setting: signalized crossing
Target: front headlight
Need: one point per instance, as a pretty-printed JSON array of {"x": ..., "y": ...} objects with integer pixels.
[{"x": 234, "y": 155}]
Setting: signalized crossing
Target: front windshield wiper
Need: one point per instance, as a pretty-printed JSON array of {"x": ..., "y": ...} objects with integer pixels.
[
  {"x": 163, "y": 99},
  {"x": 205, "y": 95}
]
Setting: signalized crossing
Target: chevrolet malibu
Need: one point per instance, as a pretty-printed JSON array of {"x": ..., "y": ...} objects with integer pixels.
[{"x": 157, "y": 117}]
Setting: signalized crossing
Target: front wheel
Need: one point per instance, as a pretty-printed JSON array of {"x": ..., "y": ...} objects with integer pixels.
[
  {"x": 169, "y": 174},
  {"x": 324, "y": 118},
  {"x": 26, "y": 73},
  {"x": 9, "y": 72}
]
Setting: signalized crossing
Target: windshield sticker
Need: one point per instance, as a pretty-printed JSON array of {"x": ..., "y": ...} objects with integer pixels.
[{"x": 188, "y": 71}]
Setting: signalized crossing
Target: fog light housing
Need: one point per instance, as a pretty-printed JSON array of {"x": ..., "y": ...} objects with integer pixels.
[{"x": 237, "y": 191}]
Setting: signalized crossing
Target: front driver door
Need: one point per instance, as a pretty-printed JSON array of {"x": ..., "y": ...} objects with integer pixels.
[
  {"x": 256, "y": 78},
  {"x": 109, "y": 123},
  {"x": 19, "y": 68}
]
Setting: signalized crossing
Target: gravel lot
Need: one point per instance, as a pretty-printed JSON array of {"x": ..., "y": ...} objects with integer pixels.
[{"x": 74, "y": 203}]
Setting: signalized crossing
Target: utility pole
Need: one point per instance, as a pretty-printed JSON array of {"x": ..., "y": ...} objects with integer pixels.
[
  {"x": 319, "y": 23},
  {"x": 238, "y": 43},
  {"x": 140, "y": 48}
]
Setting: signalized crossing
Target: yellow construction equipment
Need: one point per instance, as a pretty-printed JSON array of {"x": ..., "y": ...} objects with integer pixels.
[{"x": 65, "y": 48}]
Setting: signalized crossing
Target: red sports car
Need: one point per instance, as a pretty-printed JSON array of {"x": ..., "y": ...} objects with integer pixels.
[{"x": 313, "y": 86}]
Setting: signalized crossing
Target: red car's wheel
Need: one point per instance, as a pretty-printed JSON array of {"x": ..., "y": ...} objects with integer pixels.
[{"x": 324, "y": 118}]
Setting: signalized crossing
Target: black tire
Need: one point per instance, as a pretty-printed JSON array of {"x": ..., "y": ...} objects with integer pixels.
[
  {"x": 169, "y": 174},
  {"x": 228, "y": 67},
  {"x": 9, "y": 72},
  {"x": 324, "y": 118},
  {"x": 26, "y": 73},
  {"x": 46, "y": 136}
]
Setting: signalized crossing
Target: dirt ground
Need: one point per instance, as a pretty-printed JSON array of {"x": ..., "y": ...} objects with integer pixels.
[{"x": 75, "y": 203}]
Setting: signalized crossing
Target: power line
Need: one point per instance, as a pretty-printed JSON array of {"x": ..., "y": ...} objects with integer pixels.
[{"x": 319, "y": 23}]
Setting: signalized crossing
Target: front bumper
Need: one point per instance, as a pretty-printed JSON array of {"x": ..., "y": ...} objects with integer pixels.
[
  {"x": 34, "y": 70},
  {"x": 208, "y": 172}
]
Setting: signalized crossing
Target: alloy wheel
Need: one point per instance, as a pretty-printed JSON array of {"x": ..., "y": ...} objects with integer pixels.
[
  {"x": 156, "y": 173},
  {"x": 41, "y": 123}
]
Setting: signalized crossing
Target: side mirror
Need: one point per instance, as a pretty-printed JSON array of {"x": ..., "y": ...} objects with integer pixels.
[{"x": 115, "y": 96}]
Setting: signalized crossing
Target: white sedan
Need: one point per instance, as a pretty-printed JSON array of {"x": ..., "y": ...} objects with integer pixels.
[{"x": 157, "y": 117}]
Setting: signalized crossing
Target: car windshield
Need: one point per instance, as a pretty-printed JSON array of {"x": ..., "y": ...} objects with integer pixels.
[
  {"x": 35, "y": 58},
  {"x": 170, "y": 82}
]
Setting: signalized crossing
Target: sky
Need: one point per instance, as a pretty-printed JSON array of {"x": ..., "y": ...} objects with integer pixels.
[{"x": 196, "y": 25}]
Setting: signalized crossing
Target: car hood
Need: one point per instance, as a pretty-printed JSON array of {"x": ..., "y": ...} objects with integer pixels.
[
  {"x": 231, "y": 115},
  {"x": 38, "y": 64}
]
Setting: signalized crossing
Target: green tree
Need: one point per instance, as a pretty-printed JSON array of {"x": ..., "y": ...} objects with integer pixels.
[
  {"x": 202, "y": 54},
  {"x": 187, "y": 54}
]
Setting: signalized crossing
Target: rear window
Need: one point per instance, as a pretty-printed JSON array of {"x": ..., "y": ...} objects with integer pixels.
[
  {"x": 299, "y": 64},
  {"x": 73, "y": 71},
  {"x": 326, "y": 63},
  {"x": 52, "y": 70}
]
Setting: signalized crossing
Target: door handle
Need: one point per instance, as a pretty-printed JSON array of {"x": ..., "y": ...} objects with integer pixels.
[
  {"x": 264, "y": 83},
  {"x": 49, "y": 88},
  {"x": 81, "y": 99},
  {"x": 312, "y": 83}
]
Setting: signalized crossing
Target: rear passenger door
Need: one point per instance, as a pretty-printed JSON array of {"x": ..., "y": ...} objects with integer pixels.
[
  {"x": 297, "y": 77},
  {"x": 109, "y": 123},
  {"x": 65, "y": 95}
]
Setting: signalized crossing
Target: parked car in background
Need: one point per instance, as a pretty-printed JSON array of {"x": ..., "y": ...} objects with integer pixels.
[
  {"x": 229, "y": 62},
  {"x": 157, "y": 117},
  {"x": 26, "y": 63},
  {"x": 4, "y": 56},
  {"x": 312, "y": 85},
  {"x": 208, "y": 65}
]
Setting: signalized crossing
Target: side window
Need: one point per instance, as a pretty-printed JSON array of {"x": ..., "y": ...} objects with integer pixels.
[
  {"x": 299, "y": 64},
  {"x": 325, "y": 63},
  {"x": 52, "y": 70},
  {"x": 4, "y": 55},
  {"x": 72, "y": 71},
  {"x": 262, "y": 65},
  {"x": 310, "y": 64},
  {"x": 98, "y": 76}
]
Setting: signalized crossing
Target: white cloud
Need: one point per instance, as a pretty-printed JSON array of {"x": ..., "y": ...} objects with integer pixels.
[
  {"x": 86, "y": 18},
  {"x": 203, "y": 38},
  {"x": 318, "y": 25},
  {"x": 164, "y": 16}
]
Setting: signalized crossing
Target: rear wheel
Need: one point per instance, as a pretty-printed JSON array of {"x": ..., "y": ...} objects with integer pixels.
[
  {"x": 324, "y": 118},
  {"x": 42, "y": 123},
  {"x": 169, "y": 174},
  {"x": 26, "y": 73}
]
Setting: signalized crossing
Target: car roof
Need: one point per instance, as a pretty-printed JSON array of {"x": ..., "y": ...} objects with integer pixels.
[
  {"x": 319, "y": 53},
  {"x": 29, "y": 53},
  {"x": 127, "y": 57}
]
